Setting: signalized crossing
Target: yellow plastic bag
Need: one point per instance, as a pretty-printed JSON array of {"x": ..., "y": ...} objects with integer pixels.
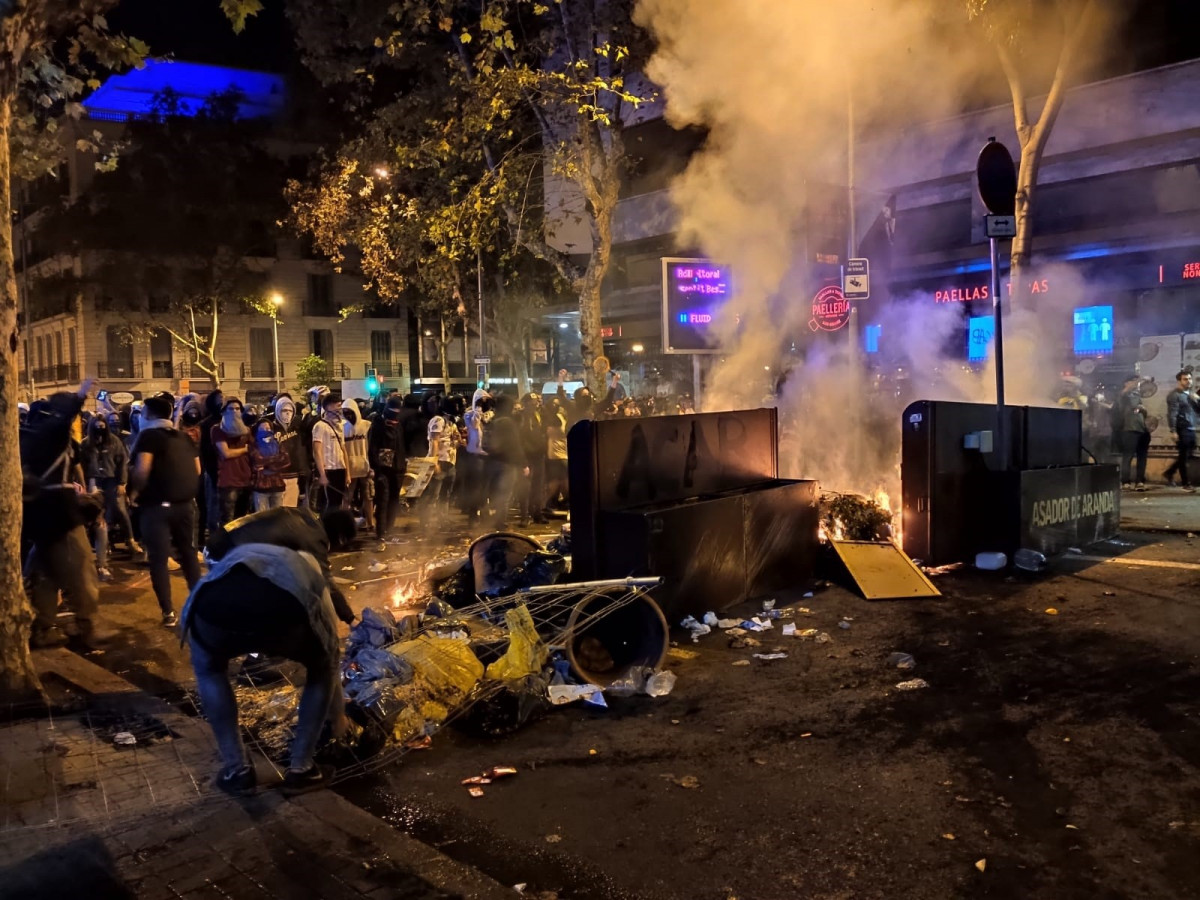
[{"x": 526, "y": 654}]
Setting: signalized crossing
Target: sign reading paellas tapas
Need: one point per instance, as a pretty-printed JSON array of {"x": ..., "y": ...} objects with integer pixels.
[{"x": 830, "y": 309}]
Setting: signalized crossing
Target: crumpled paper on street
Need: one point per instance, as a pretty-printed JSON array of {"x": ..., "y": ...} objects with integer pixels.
[{"x": 526, "y": 653}]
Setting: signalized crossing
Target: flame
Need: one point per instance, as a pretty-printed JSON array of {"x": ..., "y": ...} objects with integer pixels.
[
  {"x": 884, "y": 501},
  {"x": 824, "y": 535},
  {"x": 403, "y": 594}
]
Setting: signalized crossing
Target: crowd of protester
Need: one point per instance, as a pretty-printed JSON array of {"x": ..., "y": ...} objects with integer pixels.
[{"x": 162, "y": 475}]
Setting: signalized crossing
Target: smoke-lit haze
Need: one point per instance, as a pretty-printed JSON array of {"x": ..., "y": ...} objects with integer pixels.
[{"x": 770, "y": 82}]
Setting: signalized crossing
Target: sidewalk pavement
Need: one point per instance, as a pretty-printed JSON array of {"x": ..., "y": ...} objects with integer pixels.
[
  {"x": 1160, "y": 508},
  {"x": 84, "y": 813}
]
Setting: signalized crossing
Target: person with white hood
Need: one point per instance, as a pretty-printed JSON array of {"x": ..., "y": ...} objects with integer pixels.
[
  {"x": 358, "y": 468},
  {"x": 329, "y": 456},
  {"x": 291, "y": 442}
]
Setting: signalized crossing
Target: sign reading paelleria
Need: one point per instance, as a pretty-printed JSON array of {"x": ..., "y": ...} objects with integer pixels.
[{"x": 694, "y": 290}]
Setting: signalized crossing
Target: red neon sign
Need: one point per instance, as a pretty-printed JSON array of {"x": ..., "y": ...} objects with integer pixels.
[
  {"x": 830, "y": 309},
  {"x": 1191, "y": 270}
]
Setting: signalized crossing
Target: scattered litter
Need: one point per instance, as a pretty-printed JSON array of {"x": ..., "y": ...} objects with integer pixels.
[
  {"x": 844, "y": 625},
  {"x": 807, "y": 634},
  {"x": 1118, "y": 543},
  {"x": 347, "y": 568},
  {"x": 376, "y": 567},
  {"x": 1110, "y": 593},
  {"x": 1074, "y": 550},
  {"x": 680, "y": 653},
  {"x": 520, "y": 887},
  {"x": 948, "y": 836},
  {"x": 475, "y": 791},
  {"x": 758, "y": 623},
  {"x": 768, "y": 605},
  {"x": 124, "y": 739},
  {"x": 710, "y": 619},
  {"x": 660, "y": 683},
  {"x": 697, "y": 629},
  {"x": 1176, "y": 824},
  {"x": 493, "y": 774},
  {"x": 806, "y": 734},
  {"x": 726, "y": 624},
  {"x": 593, "y": 752},
  {"x": 424, "y": 742},
  {"x": 743, "y": 643},
  {"x": 823, "y": 638},
  {"x": 914, "y": 684},
  {"x": 902, "y": 661},
  {"x": 804, "y": 610},
  {"x": 808, "y": 595},
  {"x": 688, "y": 781},
  {"x": 1029, "y": 560},
  {"x": 981, "y": 865},
  {"x": 741, "y": 662},
  {"x": 789, "y": 630},
  {"x": 769, "y": 656},
  {"x": 991, "y": 562},
  {"x": 1052, "y": 611},
  {"x": 1073, "y": 827},
  {"x": 553, "y": 838},
  {"x": 736, "y": 632},
  {"x": 568, "y": 693}
]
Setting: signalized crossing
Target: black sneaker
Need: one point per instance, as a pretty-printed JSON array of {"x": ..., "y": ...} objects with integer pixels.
[
  {"x": 237, "y": 783},
  {"x": 312, "y": 779},
  {"x": 45, "y": 638}
]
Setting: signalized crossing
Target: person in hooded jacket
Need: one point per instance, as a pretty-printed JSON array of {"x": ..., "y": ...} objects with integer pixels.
[
  {"x": 506, "y": 462},
  {"x": 267, "y": 464},
  {"x": 231, "y": 440},
  {"x": 358, "y": 467},
  {"x": 385, "y": 453},
  {"x": 106, "y": 468},
  {"x": 53, "y": 523},
  {"x": 287, "y": 433}
]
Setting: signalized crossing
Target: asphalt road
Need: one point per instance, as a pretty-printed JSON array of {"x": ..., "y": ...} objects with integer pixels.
[{"x": 1051, "y": 756}]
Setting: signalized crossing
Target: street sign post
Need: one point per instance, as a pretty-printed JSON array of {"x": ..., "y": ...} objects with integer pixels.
[
  {"x": 996, "y": 177},
  {"x": 856, "y": 279},
  {"x": 483, "y": 360},
  {"x": 1000, "y": 226}
]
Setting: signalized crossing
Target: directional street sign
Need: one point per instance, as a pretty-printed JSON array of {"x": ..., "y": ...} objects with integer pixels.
[
  {"x": 483, "y": 360},
  {"x": 856, "y": 279},
  {"x": 1000, "y": 226}
]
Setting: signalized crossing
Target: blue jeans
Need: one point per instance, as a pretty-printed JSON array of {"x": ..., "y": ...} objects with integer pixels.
[
  {"x": 267, "y": 500},
  {"x": 268, "y": 620}
]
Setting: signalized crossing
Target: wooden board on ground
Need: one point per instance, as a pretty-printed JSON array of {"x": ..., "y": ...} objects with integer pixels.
[{"x": 883, "y": 571}]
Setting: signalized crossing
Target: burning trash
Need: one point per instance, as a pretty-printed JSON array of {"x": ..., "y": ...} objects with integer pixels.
[{"x": 853, "y": 517}]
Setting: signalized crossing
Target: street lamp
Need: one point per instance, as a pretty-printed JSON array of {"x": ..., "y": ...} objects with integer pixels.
[{"x": 277, "y": 303}]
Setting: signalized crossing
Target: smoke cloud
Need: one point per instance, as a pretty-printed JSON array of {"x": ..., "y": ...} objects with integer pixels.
[{"x": 772, "y": 83}]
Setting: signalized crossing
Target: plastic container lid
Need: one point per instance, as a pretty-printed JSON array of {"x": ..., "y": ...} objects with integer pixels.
[{"x": 990, "y": 561}]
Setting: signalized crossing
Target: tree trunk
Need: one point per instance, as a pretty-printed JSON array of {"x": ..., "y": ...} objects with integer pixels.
[
  {"x": 1022, "y": 244},
  {"x": 18, "y": 679},
  {"x": 591, "y": 342}
]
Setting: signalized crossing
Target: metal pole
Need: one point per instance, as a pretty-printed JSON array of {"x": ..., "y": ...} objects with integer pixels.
[
  {"x": 479, "y": 289},
  {"x": 998, "y": 339},
  {"x": 275, "y": 322}
]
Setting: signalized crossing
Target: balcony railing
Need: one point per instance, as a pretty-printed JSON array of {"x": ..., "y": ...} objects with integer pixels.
[
  {"x": 334, "y": 372},
  {"x": 191, "y": 370},
  {"x": 162, "y": 368},
  {"x": 64, "y": 374},
  {"x": 261, "y": 369},
  {"x": 387, "y": 369},
  {"x": 121, "y": 370}
]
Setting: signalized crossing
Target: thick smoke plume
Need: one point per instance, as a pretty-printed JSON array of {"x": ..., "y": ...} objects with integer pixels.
[{"x": 772, "y": 83}]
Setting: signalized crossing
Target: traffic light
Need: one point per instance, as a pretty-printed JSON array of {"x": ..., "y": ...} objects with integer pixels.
[{"x": 373, "y": 385}]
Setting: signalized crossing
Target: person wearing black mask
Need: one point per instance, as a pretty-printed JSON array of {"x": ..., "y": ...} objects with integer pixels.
[
  {"x": 53, "y": 525},
  {"x": 385, "y": 452},
  {"x": 163, "y": 484},
  {"x": 106, "y": 468}
]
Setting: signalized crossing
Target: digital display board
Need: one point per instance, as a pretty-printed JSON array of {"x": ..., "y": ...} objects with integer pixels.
[
  {"x": 694, "y": 290},
  {"x": 1093, "y": 330},
  {"x": 980, "y": 331}
]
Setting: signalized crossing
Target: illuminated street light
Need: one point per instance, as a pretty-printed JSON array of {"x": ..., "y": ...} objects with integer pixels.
[
  {"x": 382, "y": 172},
  {"x": 637, "y": 348},
  {"x": 562, "y": 325}
]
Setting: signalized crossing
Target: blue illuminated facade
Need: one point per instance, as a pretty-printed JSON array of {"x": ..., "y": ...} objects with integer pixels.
[{"x": 132, "y": 95}]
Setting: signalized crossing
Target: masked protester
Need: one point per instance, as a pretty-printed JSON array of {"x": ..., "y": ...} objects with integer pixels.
[
  {"x": 231, "y": 440},
  {"x": 106, "y": 468},
  {"x": 53, "y": 524},
  {"x": 358, "y": 467},
  {"x": 163, "y": 484},
  {"x": 287, "y": 433},
  {"x": 385, "y": 452},
  {"x": 267, "y": 464},
  {"x": 329, "y": 456}
]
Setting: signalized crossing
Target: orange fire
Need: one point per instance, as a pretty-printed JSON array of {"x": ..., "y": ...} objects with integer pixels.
[
  {"x": 884, "y": 501},
  {"x": 403, "y": 594}
]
